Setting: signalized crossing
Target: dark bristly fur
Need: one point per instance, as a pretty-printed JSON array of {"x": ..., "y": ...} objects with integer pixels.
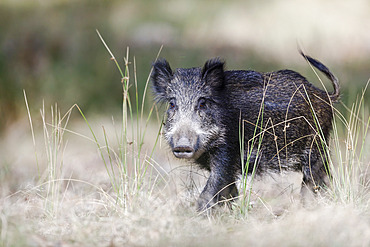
[{"x": 289, "y": 116}]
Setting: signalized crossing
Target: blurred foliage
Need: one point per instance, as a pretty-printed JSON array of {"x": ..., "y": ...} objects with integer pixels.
[
  {"x": 51, "y": 50},
  {"x": 54, "y": 54}
]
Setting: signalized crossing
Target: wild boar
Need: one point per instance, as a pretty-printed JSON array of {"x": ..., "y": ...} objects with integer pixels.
[{"x": 234, "y": 122}]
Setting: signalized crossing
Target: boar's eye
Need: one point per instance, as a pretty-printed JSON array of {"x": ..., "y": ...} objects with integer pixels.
[
  {"x": 202, "y": 104},
  {"x": 172, "y": 104}
]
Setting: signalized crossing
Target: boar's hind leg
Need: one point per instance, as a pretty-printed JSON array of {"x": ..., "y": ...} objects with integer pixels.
[{"x": 315, "y": 172}]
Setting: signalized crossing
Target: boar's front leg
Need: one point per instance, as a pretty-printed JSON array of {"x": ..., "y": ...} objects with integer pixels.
[{"x": 221, "y": 182}]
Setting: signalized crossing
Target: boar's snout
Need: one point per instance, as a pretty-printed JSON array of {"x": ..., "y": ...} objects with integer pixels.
[
  {"x": 184, "y": 143},
  {"x": 183, "y": 148}
]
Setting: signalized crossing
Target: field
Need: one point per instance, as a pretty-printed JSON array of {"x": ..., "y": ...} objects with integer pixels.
[
  {"x": 92, "y": 169},
  {"x": 73, "y": 180}
]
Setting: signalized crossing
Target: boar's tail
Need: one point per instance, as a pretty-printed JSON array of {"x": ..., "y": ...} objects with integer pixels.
[{"x": 317, "y": 64}]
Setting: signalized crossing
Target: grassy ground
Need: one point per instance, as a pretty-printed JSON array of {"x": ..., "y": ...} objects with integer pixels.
[
  {"x": 78, "y": 206},
  {"x": 90, "y": 181}
]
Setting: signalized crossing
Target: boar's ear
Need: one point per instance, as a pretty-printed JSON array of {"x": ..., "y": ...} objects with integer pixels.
[
  {"x": 213, "y": 72},
  {"x": 161, "y": 77}
]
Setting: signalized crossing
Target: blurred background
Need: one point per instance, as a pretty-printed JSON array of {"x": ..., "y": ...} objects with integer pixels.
[{"x": 50, "y": 48}]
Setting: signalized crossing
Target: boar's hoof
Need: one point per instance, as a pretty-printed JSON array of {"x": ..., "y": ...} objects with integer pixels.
[{"x": 204, "y": 204}]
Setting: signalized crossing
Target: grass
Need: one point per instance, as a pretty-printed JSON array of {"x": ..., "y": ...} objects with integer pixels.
[
  {"x": 128, "y": 166},
  {"x": 119, "y": 186},
  {"x": 351, "y": 174},
  {"x": 246, "y": 185}
]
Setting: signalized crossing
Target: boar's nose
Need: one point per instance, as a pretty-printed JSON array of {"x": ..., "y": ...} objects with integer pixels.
[{"x": 183, "y": 148}]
